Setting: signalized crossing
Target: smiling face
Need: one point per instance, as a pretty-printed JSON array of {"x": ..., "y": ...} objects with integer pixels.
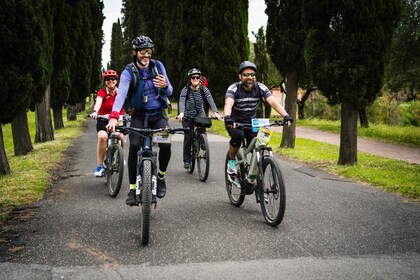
[
  {"x": 248, "y": 78},
  {"x": 143, "y": 56}
]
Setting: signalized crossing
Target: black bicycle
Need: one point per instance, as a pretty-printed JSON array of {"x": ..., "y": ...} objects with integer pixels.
[
  {"x": 257, "y": 171},
  {"x": 200, "y": 151},
  {"x": 147, "y": 170},
  {"x": 114, "y": 160}
]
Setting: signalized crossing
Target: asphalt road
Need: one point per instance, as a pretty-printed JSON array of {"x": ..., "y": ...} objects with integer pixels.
[{"x": 333, "y": 228}]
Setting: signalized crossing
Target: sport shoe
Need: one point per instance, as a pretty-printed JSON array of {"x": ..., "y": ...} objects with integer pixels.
[
  {"x": 161, "y": 187},
  {"x": 131, "y": 198},
  {"x": 231, "y": 167},
  {"x": 100, "y": 171},
  {"x": 186, "y": 164}
]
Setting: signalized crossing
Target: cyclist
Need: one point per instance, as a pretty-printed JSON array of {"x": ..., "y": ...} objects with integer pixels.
[
  {"x": 241, "y": 103},
  {"x": 105, "y": 98},
  {"x": 150, "y": 113},
  {"x": 191, "y": 104}
]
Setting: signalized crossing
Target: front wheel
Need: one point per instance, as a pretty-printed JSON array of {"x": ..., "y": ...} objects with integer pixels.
[
  {"x": 146, "y": 197},
  {"x": 233, "y": 183},
  {"x": 203, "y": 157},
  {"x": 115, "y": 169},
  {"x": 272, "y": 193}
]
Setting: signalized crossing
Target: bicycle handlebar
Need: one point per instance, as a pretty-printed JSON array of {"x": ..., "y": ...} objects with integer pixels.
[
  {"x": 245, "y": 125},
  {"x": 147, "y": 131}
]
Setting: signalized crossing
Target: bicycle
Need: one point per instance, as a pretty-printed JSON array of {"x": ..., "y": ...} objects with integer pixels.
[
  {"x": 146, "y": 173},
  {"x": 258, "y": 173},
  {"x": 114, "y": 160},
  {"x": 200, "y": 151}
]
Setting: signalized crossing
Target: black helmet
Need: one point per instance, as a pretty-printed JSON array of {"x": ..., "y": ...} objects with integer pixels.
[
  {"x": 247, "y": 64},
  {"x": 194, "y": 71},
  {"x": 142, "y": 42}
]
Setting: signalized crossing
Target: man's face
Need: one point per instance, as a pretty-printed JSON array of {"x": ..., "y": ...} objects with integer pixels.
[
  {"x": 143, "y": 56},
  {"x": 248, "y": 78}
]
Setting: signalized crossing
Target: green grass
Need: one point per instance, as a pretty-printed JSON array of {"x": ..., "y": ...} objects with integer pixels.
[
  {"x": 387, "y": 174},
  {"x": 405, "y": 135},
  {"x": 31, "y": 173}
]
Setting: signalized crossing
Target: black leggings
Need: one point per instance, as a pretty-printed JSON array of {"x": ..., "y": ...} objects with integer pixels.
[
  {"x": 237, "y": 136},
  {"x": 157, "y": 121}
]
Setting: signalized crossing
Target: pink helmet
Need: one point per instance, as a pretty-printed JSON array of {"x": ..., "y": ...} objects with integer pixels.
[{"x": 110, "y": 73}]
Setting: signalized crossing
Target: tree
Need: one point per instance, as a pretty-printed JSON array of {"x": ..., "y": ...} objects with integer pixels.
[
  {"x": 346, "y": 48},
  {"x": 62, "y": 56},
  {"x": 226, "y": 44},
  {"x": 285, "y": 42},
  {"x": 403, "y": 70},
  {"x": 116, "y": 48}
]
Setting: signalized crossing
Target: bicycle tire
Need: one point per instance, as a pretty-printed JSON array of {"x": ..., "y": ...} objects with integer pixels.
[
  {"x": 203, "y": 157},
  {"x": 272, "y": 192},
  {"x": 146, "y": 194},
  {"x": 192, "y": 157},
  {"x": 236, "y": 195},
  {"x": 114, "y": 169}
]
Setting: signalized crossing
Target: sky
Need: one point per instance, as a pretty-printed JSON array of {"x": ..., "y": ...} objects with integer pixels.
[{"x": 112, "y": 11}]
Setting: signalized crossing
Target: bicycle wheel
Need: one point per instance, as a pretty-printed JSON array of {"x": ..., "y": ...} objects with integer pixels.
[
  {"x": 233, "y": 183},
  {"x": 203, "y": 157},
  {"x": 115, "y": 169},
  {"x": 192, "y": 157},
  {"x": 146, "y": 194},
  {"x": 272, "y": 192}
]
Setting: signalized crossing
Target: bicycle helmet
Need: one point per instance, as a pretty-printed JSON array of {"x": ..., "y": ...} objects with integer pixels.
[
  {"x": 142, "y": 42},
  {"x": 247, "y": 64},
  {"x": 110, "y": 73},
  {"x": 194, "y": 71}
]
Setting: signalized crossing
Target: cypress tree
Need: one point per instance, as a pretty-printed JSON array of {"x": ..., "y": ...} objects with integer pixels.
[
  {"x": 225, "y": 43},
  {"x": 347, "y": 45}
]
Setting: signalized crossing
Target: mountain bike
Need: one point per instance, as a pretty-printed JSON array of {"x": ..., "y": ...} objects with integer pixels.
[
  {"x": 200, "y": 151},
  {"x": 258, "y": 172},
  {"x": 146, "y": 174},
  {"x": 114, "y": 160}
]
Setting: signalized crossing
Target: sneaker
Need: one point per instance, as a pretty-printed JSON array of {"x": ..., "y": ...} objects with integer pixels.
[
  {"x": 187, "y": 165},
  {"x": 161, "y": 187},
  {"x": 100, "y": 171},
  {"x": 231, "y": 167},
  {"x": 131, "y": 198}
]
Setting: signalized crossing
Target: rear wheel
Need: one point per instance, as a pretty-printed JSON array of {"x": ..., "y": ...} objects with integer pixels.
[
  {"x": 115, "y": 169},
  {"x": 203, "y": 157},
  {"x": 272, "y": 192},
  {"x": 146, "y": 194},
  {"x": 233, "y": 183}
]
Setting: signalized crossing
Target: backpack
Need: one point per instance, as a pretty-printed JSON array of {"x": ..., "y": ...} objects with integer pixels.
[{"x": 134, "y": 97}]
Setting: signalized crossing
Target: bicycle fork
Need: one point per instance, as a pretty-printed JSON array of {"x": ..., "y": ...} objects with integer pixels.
[{"x": 142, "y": 157}]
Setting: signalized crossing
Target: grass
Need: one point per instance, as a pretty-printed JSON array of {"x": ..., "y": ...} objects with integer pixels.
[
  {"x": 387, "y": 174},
  {"x": 31, "y": 173}
]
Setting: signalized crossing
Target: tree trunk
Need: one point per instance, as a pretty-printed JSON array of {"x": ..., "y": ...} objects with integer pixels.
[
  {"x": 44, "y": 129},
  {"x": 289, "y": 133},
  {"x": 364, "y": 122},
  {"x": 71, "y": 112},
  {"x": 4, "y": 164},
  {"x": 21, "y": 136},
  {"x": 301, "y": 103},
  {"x": 58, "y": 118},
  {"x": 348, "y": 135}
]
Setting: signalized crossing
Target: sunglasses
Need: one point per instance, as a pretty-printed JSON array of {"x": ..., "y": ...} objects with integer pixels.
[
  {"x": 110, "y": 79},
  {"x": 249, "y": 74},
  {"x": 143, "y": 52},
  {"x": 195, "y": 78}
]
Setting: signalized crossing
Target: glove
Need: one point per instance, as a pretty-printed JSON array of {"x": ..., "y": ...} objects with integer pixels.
[
  {"x": 229, "y": 121},
  {"x": 288, "y": 118}
]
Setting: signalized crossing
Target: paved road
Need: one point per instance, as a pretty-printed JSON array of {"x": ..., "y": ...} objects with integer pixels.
[{"x": 333, "y": 229}]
